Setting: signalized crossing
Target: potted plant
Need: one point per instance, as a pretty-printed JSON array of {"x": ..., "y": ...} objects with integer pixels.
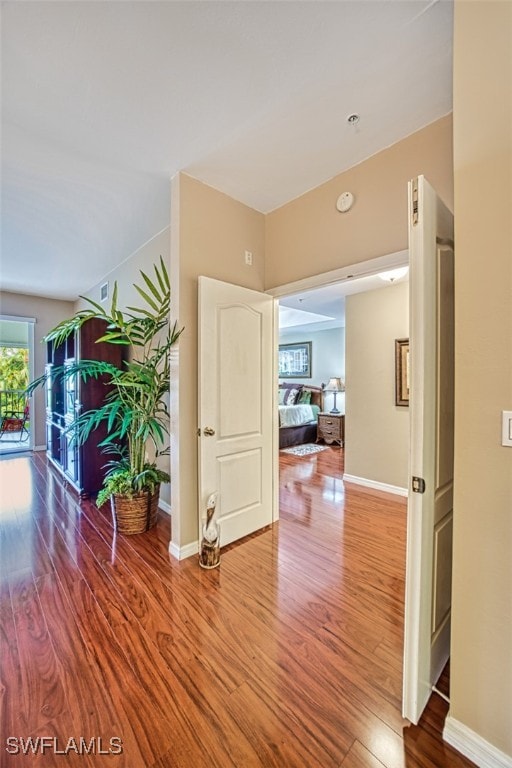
[{"x": 134, "y": 408}]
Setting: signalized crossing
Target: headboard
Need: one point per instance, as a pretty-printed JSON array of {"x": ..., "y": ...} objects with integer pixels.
[{"x": 317, "y": 394}]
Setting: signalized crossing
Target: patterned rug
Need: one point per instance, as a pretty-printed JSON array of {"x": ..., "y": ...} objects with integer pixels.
[{"x": 304, "y": 450}]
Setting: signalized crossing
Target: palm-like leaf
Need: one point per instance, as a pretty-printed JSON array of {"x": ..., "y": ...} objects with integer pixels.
[{"x": 134, "y": 408}]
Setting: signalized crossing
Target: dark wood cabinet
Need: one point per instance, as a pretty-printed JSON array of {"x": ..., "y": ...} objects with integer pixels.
[
  {"x": 66, "y": 398},
  {"x": 331, "y": 428}
]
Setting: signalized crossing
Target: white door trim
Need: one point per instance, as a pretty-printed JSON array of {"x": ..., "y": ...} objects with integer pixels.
[
  {"x": 18, "y": 318},
  {"x": 344, "y": 274},
  {"x": 30, "y": 321},
  {"x": 275, "y": 425},
  {"x": 31, "y": 375}
]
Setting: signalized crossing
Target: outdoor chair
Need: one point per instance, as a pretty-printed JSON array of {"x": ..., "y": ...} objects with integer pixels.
[{"x": 12, "y": 422}]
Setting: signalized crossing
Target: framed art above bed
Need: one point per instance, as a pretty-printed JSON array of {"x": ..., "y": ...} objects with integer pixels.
[{"x": 295, "y": 360}]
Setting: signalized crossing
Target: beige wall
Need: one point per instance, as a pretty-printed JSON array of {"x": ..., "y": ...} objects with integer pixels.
[
  {"x": 309, "y": 236},
  {"x": 210, "y": 231},
  {"x": 376, "y": 430},
  {"x": 48, "y": 313},
  {"x": 128, "y": 272},
  {"x": 481, "y": 667},
  {"x": 209, "y": 234}
]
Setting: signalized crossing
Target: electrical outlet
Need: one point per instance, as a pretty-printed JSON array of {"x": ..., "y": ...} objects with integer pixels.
[
  {"x": 506, "y": 428},
  {"x": 248, "y": 258}
]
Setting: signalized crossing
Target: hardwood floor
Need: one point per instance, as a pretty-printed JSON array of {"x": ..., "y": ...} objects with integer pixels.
[{"x": 288, "y": 655}]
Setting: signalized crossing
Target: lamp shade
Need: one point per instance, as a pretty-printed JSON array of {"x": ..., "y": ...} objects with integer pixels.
[{"x": 335, "y": 385}]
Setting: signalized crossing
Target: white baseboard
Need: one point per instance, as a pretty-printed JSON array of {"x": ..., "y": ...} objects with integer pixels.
[
  {"x": 375, "y": 485},
  {"x": 473, "y": 746},
  {"x": 164, "y": 506},
  {"x": 180, "y": 553},
  {"x": 39, "y": 448}
]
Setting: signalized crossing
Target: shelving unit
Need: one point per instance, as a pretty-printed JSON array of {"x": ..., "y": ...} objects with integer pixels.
[{"x": 66, "y": 398}]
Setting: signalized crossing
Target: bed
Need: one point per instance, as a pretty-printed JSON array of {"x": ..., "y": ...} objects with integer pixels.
[{"x": 299, "y": 406}]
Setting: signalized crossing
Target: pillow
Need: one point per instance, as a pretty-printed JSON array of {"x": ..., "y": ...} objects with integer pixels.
[
  {"x": 291, "y": 396},
  {"x": 304, "y": 397},
  {"x": 291, "y": 393},
  {"x": 281, "y": 395}
]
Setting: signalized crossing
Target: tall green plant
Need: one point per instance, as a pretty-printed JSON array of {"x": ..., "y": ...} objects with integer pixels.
[{"x": 135, "y": 409}]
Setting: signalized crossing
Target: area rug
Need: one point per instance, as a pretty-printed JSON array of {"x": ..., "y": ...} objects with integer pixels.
[{"x": 304, "y": 450}]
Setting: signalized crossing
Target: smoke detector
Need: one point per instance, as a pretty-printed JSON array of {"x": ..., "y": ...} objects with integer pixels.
[{"x": 345, "y": 202}]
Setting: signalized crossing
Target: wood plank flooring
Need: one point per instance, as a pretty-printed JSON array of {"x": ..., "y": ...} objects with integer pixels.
[{"x": 289, "y": 655}]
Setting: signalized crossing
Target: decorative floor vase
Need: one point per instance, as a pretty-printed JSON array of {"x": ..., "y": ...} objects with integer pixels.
[
  {"x": 209, "y": 555},
  {"x": 137, "y": 514}
]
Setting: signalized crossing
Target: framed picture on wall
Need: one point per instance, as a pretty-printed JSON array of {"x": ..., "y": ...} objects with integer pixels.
[
  {"x": 295, "y": 360},
  {"x": 402, "y": 372}
]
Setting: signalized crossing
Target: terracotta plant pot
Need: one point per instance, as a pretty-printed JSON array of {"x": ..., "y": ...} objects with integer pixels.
[{"x": 137, "y": 514}]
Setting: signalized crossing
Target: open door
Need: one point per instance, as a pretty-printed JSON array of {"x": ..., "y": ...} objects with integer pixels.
[
  {"x": 235, "y": 406},
  {"x": 430, "y": 509}
]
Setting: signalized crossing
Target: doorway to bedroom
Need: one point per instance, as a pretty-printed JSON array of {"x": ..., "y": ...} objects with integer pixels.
[
  {"x": 344, "y": 334},
  {"x": 311, "y": 362}
]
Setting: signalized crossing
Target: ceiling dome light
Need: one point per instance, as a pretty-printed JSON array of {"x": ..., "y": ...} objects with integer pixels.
[{"x": 394, "y": 274}]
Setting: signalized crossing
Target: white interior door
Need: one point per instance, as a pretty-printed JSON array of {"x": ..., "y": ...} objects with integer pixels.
[
  {"x": 235, "y": 406},
  {"x": 430, "y": 509}
]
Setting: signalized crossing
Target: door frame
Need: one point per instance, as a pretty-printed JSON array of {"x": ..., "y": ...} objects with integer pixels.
[
  {"x": 343, "y": 274},
  {"x": 30, "y": 322}
]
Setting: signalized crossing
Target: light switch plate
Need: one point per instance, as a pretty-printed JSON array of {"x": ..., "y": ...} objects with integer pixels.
[{"x": 506, "y": 428}]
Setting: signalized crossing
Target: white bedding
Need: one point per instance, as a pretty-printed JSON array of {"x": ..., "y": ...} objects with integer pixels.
[{"x": 295, "y": 415}]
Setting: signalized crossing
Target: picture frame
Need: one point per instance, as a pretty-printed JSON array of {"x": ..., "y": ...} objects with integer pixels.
[
  {"x": 402, "y": 372},
  {"x": 295, "y": 360}
]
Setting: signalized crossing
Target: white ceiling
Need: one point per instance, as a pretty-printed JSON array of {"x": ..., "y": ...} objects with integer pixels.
[
  {"x": 102, "y": 102},
  {"x": 330, "y": 300}
]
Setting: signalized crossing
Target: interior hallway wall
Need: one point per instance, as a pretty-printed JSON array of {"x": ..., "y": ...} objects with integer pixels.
[
  {"x": 209, "y": 234},
  {"x": 481, "y": 666},
  {"x": 376, "y": 430},
  {"x": 309, "y": 236}
]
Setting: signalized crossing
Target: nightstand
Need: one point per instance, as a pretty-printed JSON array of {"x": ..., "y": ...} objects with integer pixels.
[{"x": 331, "y": 428}]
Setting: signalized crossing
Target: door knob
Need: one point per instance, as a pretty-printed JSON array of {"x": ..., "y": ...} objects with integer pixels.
[{"x": 208, "y": 431}]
